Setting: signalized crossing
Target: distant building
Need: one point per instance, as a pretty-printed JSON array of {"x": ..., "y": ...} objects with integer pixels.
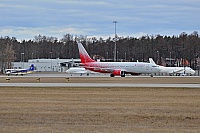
[
  {"x": 54, "y": 65},
  {"x": 169, "y": 62}
]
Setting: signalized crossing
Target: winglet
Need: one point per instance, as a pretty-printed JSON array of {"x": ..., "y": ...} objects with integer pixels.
[{"x": 83, "y": 54}]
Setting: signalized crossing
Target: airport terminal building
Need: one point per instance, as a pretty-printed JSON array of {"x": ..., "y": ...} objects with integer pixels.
[{"x": 53, "y": 65}]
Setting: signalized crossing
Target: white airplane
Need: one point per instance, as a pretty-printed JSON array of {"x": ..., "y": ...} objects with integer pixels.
[
  {"x": 20, "y": 71},
  {"x": 115, "y": 68},
  {"x": 174, "y": 70},
  {"x": 78, "y": 70}
]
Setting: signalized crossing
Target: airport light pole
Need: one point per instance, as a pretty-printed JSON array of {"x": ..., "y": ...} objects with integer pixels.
[
  {"x": 22, "y": 60},
  {"x": 107, "y": 55},
  {"x": 115, "y": 22},
  {"x": 51, "y": 59},
  {"x": 170, "y": 59},
  {"x": 32, "y": 56},
  {"x": 125, "y": 57},
  {"x": 158, "y": 57},
  {"x": 117, "y": 55}
]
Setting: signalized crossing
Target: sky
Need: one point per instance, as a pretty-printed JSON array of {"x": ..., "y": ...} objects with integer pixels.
[{"x": 94, "y": 18}]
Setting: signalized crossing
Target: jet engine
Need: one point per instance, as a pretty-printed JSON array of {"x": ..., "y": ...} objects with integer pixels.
[{"x": 118, "y": 73}]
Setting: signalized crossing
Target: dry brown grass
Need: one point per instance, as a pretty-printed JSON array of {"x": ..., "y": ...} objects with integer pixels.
[{"x": 114, "y": 110}]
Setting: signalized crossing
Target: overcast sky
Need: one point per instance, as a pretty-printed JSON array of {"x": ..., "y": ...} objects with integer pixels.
[{"x": 26, "y": 19}]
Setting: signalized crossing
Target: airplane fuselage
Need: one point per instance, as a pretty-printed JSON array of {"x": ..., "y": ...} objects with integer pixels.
[
  {"x": 179, "y": 70},
  {"x": 129, "y": 67}
]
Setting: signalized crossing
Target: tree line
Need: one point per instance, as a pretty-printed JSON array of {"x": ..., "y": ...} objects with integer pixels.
[{"x": 183, "y": 46}]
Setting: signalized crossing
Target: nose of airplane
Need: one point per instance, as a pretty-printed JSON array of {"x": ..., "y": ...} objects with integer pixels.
[{"x": 192, "y": 71}]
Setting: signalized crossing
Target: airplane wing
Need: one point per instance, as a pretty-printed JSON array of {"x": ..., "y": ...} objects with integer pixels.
[
  {"x": 177, "y": 71},
  {"x": 105, "y": 70},
  {"x": 81, "y": 72},
  {"x": 112, "y": 69}
]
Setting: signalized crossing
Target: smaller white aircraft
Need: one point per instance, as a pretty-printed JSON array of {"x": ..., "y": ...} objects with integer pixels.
[
  {"x": 20, "y": 71},
  {"x": 78, "y": 70},
  {"x": 174, "y": 70}
]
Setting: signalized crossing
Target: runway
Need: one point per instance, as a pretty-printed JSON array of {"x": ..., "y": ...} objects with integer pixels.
[
  {"x": 98, "y": 80},
  {"x": 98, "y": 85},
  {"x": 85, "y": 75}
]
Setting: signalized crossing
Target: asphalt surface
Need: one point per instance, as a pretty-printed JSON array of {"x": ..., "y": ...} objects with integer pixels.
[
  {"x": 82, "y": 75},
  {"x": 187, "y": 85},
  {"x": 98, "y": 85}
]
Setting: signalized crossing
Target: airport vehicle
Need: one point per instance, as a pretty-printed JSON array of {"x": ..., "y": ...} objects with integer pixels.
[
  {"x": 115, "y": 68},
  {"x": 20, "y": 71},
  {"x": 179, "y": 71},
  {"x": 78, "y": 70}
]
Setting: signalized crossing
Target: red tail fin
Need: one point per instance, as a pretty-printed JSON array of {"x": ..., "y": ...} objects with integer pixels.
[{"x": 83, "y": 54}]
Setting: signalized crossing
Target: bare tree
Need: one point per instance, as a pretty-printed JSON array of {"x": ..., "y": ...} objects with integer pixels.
[{"x": 9, "y": 55}]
